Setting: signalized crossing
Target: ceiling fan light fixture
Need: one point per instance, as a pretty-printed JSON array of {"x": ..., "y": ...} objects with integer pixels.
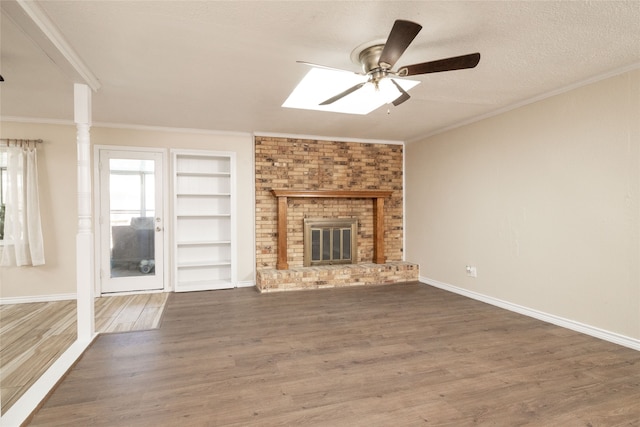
[
  {"x": 377, "y": 60},
  {"x": 318, "y": 82}
]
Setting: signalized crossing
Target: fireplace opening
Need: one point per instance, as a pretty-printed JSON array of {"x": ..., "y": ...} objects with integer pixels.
[{"x": 330, "y": 241}]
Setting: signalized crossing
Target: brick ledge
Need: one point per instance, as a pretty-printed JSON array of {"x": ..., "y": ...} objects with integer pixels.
[{"x": 332, "y": 276}]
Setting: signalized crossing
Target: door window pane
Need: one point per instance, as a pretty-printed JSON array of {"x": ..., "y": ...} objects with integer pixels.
[{"x": 132, "y": 213}]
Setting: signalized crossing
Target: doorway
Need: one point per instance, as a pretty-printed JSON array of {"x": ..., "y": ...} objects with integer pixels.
[{"x": 131, "y": 212}]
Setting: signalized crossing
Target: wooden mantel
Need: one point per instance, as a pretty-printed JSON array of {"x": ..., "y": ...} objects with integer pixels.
[{"x": 378, "y": 197}]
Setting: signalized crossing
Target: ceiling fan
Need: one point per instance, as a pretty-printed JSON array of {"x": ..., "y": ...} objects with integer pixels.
[{"x": 378, "y": 60}]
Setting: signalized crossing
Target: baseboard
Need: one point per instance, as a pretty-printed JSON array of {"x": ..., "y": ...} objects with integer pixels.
[
  {"x": 65, "y": 297},
  {"x": 545, "y": 317},
  {"x": 23, "y": 409},
  {"x": 37, "y": 298},
  {"x": 245, "y": 284}
]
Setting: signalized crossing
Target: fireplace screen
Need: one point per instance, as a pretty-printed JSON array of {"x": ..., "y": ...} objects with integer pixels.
[{"x": 330, "y": 241}]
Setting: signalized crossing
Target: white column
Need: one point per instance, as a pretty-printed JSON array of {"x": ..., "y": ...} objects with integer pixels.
[{"x": 84, "y": 239}]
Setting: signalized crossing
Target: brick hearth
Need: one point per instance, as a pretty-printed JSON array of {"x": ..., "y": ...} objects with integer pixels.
[{"x": 335, "y": 276}]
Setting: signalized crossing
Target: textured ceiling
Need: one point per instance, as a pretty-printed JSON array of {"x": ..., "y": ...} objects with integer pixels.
[{"x": 229, "y": 66}]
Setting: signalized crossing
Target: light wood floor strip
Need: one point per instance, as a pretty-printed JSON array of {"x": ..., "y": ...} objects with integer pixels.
[
  {"x": 401, "y": 355},
  {"x": 33, "y": 335}
]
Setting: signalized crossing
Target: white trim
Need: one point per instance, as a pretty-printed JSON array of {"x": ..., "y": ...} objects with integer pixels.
[
  {"x": 97, "y": 206},
  {"x": 118, "y": 294},
  {"x": 37, "y": 298},
  {"x": 97, "y": 280},
  {"x": 46, "y": 35},
  {"x": 84, "y": 237},
  {"x": 245, "y": 284},
  {"x": 128, "y": 148},
  {"x": 166, "y": 221},
  {"x": 531, "y": 100},
  {"x": 328, "y": 138},
  {"x": 234, "y": 216},
  {"x": 35, "y": 395},
  {"x": 125, "y": 126},
  {"x": 171, "y": 129},
  {"x": 37, "y": 120},
  {"x": 602, "y": 334}
]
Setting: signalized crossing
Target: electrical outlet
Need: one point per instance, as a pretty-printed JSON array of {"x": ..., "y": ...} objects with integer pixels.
[{"x": 472, "y": 271}]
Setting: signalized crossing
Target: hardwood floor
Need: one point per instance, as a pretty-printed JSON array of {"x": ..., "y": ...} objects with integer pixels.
[
  {"x": 33, "y": 335},
  {"x": 399, "y": 355},
  {"x": 129, "y": 312}
]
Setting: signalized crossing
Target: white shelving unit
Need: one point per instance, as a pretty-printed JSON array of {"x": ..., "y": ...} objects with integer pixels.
[{"x": 204, "y": 220}]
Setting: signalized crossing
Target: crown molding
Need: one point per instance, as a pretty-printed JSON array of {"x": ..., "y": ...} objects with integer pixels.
[
  {"x": 37, "y": 25},
  {"x": 328, "y": 138},
  {"x": 516, "y": 105}
]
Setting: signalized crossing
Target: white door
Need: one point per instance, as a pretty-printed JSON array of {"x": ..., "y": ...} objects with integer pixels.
[{"x": 131, "y": 221}]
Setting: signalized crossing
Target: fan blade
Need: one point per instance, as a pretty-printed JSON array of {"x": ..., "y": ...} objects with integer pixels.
[
  {"x": 448, "y": 64},
  {"x": 400, "y": 37},
  {"x": 343, "y": 94},
  {"x": 403, "y": 94},
  {"x": 311, "y": 64}
]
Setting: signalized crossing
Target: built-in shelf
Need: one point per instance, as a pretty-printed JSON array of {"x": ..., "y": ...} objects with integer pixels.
[
  {"x": 203, "y": 195},
  {"x": 203, "y": 216},
  {"x": 195, "y": 264},
  {"x": 204, "y": 220},
  {"x": 205, "y": 243},
  {"x": 203, "y": 174}
]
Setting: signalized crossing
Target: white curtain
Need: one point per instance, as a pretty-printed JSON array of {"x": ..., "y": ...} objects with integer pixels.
[{"x": 22, "y": 226}]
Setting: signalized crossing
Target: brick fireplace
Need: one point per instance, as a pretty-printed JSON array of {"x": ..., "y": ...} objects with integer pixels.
[{"x": 298, "y": 166}]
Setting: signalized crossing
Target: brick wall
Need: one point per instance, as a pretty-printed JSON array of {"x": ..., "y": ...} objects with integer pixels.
[{"x": 303, "y": 164}]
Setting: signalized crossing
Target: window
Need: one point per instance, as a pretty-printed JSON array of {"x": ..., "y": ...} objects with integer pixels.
[{"x": 132, "y": 190}]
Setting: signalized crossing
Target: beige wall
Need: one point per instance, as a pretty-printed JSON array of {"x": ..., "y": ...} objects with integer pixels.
[
  {"x": 543, "y": 200},
  {"x": 57, "y": 165},
  {"x": 56, "y": 176}
]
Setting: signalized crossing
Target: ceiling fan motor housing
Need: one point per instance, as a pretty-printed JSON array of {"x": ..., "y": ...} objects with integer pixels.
[{"x": 370, "y": 58}]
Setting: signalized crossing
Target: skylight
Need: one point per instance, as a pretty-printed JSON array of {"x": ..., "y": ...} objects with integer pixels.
[{"x": 321, "y": 84}]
